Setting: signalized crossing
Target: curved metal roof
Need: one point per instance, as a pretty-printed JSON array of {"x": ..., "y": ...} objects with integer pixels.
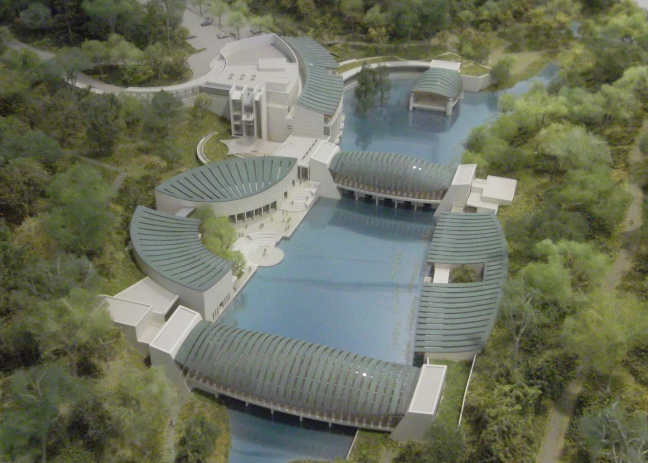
[
  {"x": 459, "y": 317},
  {"x": 469, "y": 239},
  {"x": 322, "y": 91},
  {"x": 170, "y": 245},
  {"x": 297, "y": 374},
  {"x": 391, "y": 173},
  {"x": 229, "y": 179},
  {"x": 312, "y": 52},
  {"x": 445, "y": 82}
]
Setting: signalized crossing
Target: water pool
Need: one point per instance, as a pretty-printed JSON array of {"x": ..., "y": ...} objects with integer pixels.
[{"x": 352, "y": 271}]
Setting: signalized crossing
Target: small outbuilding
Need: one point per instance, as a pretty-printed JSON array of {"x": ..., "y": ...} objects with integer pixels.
[{"x": 437, "y": 89}]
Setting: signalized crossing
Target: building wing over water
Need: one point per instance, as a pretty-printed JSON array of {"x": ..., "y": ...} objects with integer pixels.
[
  {"x": 391, "y": 175},
  {"x": 456, "y": 319},
  {"x": 298, "y": 377}
]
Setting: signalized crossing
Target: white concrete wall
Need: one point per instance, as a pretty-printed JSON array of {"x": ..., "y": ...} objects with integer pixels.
[
  {"x": 217, "y": 294},
  {"x": 307, "y": 123},
  {"x": 475, "y": 84},
  {"x": 459, "y": 191},
  {"x": 171, "y": 205},
  {"x": 164, "y": 356},
  {"x": 320, "y": 172},
  {"x": 278, "y": 122},
  {"x": 219, "y": 104}
]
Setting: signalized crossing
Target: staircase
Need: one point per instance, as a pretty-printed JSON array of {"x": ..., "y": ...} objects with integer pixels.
[{"x": 300, "y": 199}]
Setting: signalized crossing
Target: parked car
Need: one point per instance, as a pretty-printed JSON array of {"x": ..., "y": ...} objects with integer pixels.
[
  {"x": 206, "y": 23},
  {"x": 191, "y": 37}
]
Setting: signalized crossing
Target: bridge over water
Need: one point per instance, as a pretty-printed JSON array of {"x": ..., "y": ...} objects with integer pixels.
[{"x": 297, "y": 377}]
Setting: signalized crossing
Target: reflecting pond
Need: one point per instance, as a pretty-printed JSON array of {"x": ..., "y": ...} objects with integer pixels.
[{"x": 352, "y": 271}]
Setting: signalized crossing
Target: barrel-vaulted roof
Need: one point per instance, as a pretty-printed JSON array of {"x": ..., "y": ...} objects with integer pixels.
[
  {"x": 297, "y": 374},
  {"x": 445, "y": 82},
  {"x": 170, "y": 245},
  {"x": 229, "y": 179},
  {"x": 470, "y": 239},
  {"x": 391, "y": 173},
  {"x": 322, "y": 91},
  {"x": 459, "y": 317}
]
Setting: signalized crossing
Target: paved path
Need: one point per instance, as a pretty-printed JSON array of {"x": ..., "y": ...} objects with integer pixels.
[
  {"x": 560, "y": 416},
  {"x": 119, "y": 180}
]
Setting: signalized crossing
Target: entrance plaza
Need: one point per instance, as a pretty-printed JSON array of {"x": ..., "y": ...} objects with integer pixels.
[{"x": 266, "y": 191}]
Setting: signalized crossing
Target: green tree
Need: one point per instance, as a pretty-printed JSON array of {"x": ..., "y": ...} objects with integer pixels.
[
  {"x": 141, "y": 405},
  {"x": 57, "y": 276},
  {"x": 198, "y": 441},
  {"x": 612, "y": 434},
  {"x": 433, "y": 17},
  {"x": 375, "y": 18},
  {"x": 163, "y": 111},
  {"x": 405, "y": 17},
  {"x": 501, "y": 71},
  {"x": 503, "y": 414},
  {"x": 219, "y": 8},
  {"x": 518, "y": 313},
  {"x": 237, "y": 20},
  {"x": 597, "y": 194},
  {"x": 104, "y": 123},
  {"x": 22, "y": 183},
  {"x": 172, "y": 13},
  {"x": 73, "y": 329},
  {"x": 37, "y": 17},
  {"x": 70, "y": 63},
  {"x": 81, "y": 221},
  {"x": 37, "y": 399},
  {"x": 98, "y": 52},
  {"x": 604, "y": 329},
  {"x": 563, "y": 147},
  {"x": 262, "y": 23},
  {"x": 353, "y": 11},
  {"x": 107, "y": 12},
  {"x": 29, "y": 144},
  {"x": 62, "y": 118}
]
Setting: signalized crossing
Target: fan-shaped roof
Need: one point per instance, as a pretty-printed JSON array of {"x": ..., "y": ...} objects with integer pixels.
[
  {"x": 445, "y": 82},
  {"x": 297, "y": 374},
  {"x": 170, "y": 245},
  {"x": 403, "y": 175},
  {"x": 228, "y": 180}
]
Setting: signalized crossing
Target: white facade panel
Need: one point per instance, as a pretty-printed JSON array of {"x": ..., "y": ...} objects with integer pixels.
[
  {"x": 166, "y": 344},
  {"x": 307, "y": 123}
]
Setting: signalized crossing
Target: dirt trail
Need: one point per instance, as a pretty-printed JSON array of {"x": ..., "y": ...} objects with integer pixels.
[{"x": 553, "y": 441}]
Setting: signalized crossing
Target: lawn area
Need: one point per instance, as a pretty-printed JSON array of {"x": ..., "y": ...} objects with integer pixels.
[
  {"x": 370, "y": 445},
  {"x": 214, "y": 149},
  {"x": 453, "y": 391},
  {"x": 468, "y": 68}
]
